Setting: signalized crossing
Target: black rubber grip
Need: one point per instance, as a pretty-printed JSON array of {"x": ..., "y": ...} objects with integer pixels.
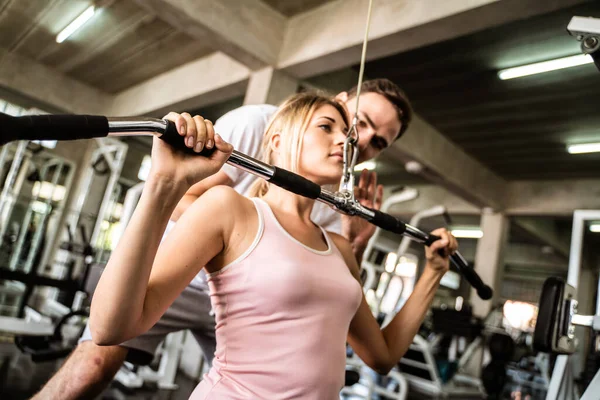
[
  {"x": 483, "y": 291},
  {"x": 295, "y": 183},
  {"x": 387, "y": 222},
  {"x": 173, "y": 138},
  {"x": 51, "y": 127}
]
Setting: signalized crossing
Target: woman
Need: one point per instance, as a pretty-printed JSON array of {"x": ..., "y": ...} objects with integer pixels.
[{"x": 286, "y": 294}]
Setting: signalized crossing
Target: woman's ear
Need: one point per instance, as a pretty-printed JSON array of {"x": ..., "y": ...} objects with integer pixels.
[{"x": 275, "y": 143}]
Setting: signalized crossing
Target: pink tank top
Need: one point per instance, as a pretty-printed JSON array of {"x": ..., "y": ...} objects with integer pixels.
[{"x": 282, "y": 314}]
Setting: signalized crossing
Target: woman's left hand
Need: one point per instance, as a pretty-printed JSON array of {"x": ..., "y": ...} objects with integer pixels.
[
  {"x": 438, "y": 254},
  {"x": 184, "y": 170}
]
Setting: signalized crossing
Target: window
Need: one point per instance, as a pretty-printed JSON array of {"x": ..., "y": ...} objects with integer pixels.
[{"x": 145, "y": 168}]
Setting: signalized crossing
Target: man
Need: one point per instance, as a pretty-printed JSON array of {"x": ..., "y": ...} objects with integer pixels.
[{"x": 384, "y": 115}]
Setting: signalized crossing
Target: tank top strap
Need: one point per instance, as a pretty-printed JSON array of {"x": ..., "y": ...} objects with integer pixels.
[{"x": 274, "y": 227}]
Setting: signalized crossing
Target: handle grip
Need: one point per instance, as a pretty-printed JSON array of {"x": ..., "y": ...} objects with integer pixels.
[
  {"x": 295, "y": 183},
  {"x": 388, "y": 222},
  {"x": 175, "y": 140},
  {"x": 51, "y": 127},
  {"x": 483, "y": 291}
]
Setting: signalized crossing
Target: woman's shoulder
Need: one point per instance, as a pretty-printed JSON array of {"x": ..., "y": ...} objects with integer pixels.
[{"x": 220, "y": 202}]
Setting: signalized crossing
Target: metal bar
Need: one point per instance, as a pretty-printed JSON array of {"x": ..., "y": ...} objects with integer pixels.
[
  {"x": 74, "y": 127},
  {"x": 582, "y": 320},
  {"x": 3, "y": 154},
  {"x": 251, "y": 165},
  {"x": 575, "y": 252},
  {"x": 59, "y": 212},
  {"x": 593, "y": 388},
  {"x": 579, "y": 218},
  {"x": 115, "y": 165},
  {"x": 339, "y": 200},
  {"x": 403, "y": 248},
  {"x": 556, "y": 382},
  {"x": 9, "y": 183},
  {"x": 598, "y": 299},
  {"x": 127, "y": 126},
  {"x": 405, "y": 195},
  {"x": 18, "y": 326},
  {"x": 40, "y": 230},
  {"x": 561, "y": 373},
  {"x": 414, "y": 221},
  {"x": 8, "y": 204}
]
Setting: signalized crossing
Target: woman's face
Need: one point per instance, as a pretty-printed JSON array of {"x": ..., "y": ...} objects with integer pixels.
[{"x": 321, "y": 159}]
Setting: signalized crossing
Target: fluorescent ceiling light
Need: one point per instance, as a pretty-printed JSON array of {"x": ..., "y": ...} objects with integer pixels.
[
  {"x": 49, "y": 144},
  {"x": 76, "y": 24},
  {"x": 370, "y": 165},
  {"x": 583, "y": 148},
  {"x": 595, "y": 228},
  {"x": 545, "y": 66},
  {"x": 467, "y": 232}
]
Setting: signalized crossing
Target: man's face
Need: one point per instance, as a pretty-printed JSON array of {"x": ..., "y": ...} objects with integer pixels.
[{"x": 378, "y": 123}]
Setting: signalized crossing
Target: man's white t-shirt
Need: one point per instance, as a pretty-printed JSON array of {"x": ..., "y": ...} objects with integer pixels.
[{"x": 244, "y": 129}]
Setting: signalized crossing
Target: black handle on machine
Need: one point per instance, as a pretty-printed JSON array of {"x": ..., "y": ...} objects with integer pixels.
[
  {"x": 483, "y": 291},
  {"x": 51, "y": 127},
  {"x": 172, "y": 137},
  {"x": 392, "y": 224}
]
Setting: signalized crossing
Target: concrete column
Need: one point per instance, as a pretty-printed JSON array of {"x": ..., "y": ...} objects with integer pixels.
[
  {"x": 268, "y": 86},
  {"x": 489, "y": 258}
]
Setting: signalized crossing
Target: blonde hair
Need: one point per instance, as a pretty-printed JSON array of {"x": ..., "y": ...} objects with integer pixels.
[{"x": 290, "y": 121}]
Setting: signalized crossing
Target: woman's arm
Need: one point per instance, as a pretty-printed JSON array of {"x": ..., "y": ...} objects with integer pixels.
[
  {"x": 197, "y": 190},
  {"x": 124, "y": 304},
  {"x": 382, "y": 349}
]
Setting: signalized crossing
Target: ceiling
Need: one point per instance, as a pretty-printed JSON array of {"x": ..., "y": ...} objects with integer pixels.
[
  {"x": 290, "y": 8},
  {"x": 121, "y": 46},
  {"x": 518, "y": 128}
]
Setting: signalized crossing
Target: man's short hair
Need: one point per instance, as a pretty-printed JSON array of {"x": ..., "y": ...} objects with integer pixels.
[{"x": 393, "y": 94}]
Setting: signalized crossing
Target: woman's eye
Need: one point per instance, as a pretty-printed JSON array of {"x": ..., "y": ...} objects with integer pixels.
[{"x": 326, "y": 128}]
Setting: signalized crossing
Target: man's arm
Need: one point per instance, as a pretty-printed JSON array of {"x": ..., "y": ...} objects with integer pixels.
[{"x": 197, "y": 190}]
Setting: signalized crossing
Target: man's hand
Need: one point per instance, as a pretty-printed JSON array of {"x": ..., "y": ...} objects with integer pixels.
[{"x": 356, "y": 229}]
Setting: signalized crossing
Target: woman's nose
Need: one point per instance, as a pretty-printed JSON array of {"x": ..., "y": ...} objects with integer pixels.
[{"x": 340, "y": 137}]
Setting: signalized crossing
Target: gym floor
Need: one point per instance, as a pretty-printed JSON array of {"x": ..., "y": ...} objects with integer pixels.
[{"x": 20, "y": 378}]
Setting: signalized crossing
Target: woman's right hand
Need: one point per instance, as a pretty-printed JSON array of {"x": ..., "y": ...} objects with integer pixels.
[{"x": 184, "y": 170}]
